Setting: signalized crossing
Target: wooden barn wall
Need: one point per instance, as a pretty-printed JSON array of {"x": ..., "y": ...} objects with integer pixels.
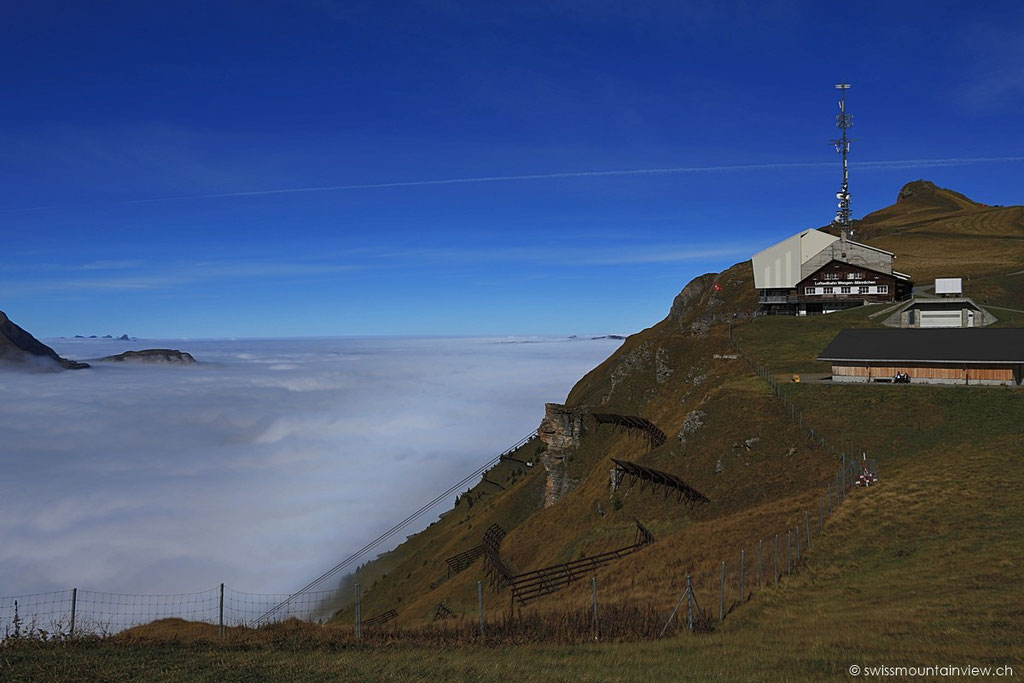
[{"x": 999, "y": 373}]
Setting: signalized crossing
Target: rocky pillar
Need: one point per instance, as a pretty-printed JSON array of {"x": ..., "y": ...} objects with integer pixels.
[{"x": 560, "y": 431}]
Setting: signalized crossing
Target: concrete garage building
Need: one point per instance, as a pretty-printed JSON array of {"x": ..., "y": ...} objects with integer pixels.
[
  {"x": 948, "y": 308},
  {"x": 928, "y": 356},
  {"x": 813, "y": 272},
  {"x": 945, "y": 312}
]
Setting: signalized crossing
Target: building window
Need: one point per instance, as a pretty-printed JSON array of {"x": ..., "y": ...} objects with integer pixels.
[
  {"x": 862, "y": 289},
  {"x": 855, "y": 276},
  {"x": 831, "y": 276},
  {"x": 808, "y": 290},
  {"x": 844, "y": 290},
  {"x": 883, "y": 289},
  {"x": 827, "y": 290}
]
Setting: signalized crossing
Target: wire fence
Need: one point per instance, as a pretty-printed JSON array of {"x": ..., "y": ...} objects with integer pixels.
[
  {"x": 754, "y": 569},
  {"x": 37, "y": 613},
  {"x": 765, "y": 564},
  {"x": 66, "y": 613}
]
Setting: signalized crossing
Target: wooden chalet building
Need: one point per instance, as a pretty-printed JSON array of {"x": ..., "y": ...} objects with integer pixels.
[
  {"x": 813, "y": 272},
  {"x": 928, "y": 356}
]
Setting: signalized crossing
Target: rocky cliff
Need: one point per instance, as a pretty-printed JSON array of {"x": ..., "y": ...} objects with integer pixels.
[{"x": 18, "y": 347}]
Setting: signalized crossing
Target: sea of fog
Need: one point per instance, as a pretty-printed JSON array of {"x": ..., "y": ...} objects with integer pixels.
[{"x": 262, "y": 465}]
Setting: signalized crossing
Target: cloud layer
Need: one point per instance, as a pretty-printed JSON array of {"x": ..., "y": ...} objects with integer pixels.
[{"x": 259, "y": 467}]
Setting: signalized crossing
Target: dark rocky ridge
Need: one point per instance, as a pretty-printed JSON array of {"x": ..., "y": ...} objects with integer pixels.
[{"x": 19, "y": 347}]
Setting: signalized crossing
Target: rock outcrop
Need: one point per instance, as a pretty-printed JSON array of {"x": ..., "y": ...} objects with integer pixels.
[
  {"x": 18, "y": 347},
  {"x": 172, "y": 356},
  {"x": 560, "y": 432},
  {"x": 684, "y": 303},
  {"x": 693, "y": 307},
  {"x": 691, "y": 424}
]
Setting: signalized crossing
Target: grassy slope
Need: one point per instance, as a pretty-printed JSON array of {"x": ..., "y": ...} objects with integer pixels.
[
  {"x": 757, "y": 490},
  {"x": 917, "y": 571},
  {"x": 940, "y": 233}
]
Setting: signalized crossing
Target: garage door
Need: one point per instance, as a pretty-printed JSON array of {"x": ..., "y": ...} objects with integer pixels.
[{"x": 940, "y": 319}]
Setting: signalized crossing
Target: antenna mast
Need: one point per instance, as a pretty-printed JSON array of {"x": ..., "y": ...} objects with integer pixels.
[{"x": 844, "y": 121}]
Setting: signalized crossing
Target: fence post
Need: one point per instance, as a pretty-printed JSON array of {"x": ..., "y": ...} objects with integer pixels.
[
  {"x": 760, "y": 548},
  {"x": 74, "y": 605},
  {"x": 686, "y": 593},
  {"x": 222, "y": 611},
  {"x": 789, "y": 551},
  {"x": 721, "y": 601},
  {"x": 594, "y": 581},
  {"x": 689, "y": 603},
  {"x": 359, "y": 615},
  {"x": 775, "y": 576},
  {"x": 480, "y": 604},
  {"x": 798, "y": 544},
  {"x": 807, "y": 525},
  {"x": 743, "y": 582}
]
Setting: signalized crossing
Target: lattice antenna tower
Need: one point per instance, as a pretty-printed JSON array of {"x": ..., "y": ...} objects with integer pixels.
[{"x": 844, "y": 122}]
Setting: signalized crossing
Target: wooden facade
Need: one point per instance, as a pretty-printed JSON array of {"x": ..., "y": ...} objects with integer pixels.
[
  {"x": 835, "y": 286},
  {"x": 944, "y": 373},
  {"x": 840, "y": 282}
]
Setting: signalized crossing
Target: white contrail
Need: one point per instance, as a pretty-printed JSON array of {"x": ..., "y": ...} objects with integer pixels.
[{"x": 892, "y": 163}]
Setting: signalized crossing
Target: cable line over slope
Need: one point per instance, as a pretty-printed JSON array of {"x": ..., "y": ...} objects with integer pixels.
[{"x": 333, "y": 571}]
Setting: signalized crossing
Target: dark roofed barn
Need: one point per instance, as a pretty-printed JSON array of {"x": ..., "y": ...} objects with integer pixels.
[{"x": 929, "y": 356}]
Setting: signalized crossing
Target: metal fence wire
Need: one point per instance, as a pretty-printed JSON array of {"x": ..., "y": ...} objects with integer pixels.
[
  {"x": 78, "y": 612},
  {"x": 38, "y": 613},
  {"x": 106, "y": 613}
]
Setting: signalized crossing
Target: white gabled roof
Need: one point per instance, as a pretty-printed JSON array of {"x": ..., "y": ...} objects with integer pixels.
[{"x": 778, "y": 266}]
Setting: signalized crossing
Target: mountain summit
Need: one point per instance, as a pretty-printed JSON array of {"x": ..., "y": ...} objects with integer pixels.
[{"x": 925, "y": 193}]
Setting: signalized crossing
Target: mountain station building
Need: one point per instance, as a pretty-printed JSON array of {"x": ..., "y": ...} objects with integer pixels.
[{"x": 814, "y": 272}]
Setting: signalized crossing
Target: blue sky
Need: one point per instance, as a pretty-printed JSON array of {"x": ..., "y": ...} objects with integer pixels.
[{"x": 162, "y": 162}]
